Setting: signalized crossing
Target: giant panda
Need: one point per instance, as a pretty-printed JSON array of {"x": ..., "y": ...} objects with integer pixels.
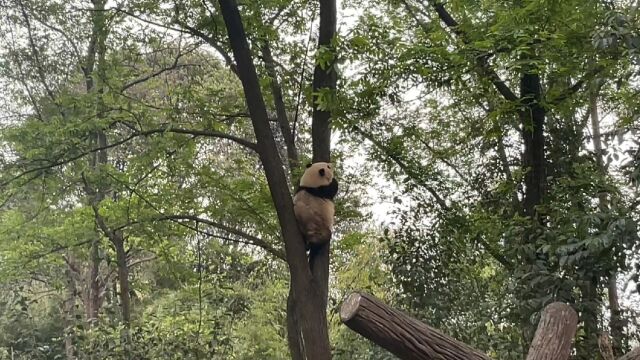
[{"x": 313, "y": 203}]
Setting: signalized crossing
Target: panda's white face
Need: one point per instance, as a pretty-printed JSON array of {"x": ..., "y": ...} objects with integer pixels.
[{"x": 316, "y": 175}]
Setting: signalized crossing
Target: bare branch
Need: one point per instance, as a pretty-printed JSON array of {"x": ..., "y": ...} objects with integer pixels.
[
  {"x": 213, "y": 43},
  {"x": 483, "y": 68},
  {"x": 173, "y": 66},
  {"x": 36, "y": 53},
  {"x": 206, "y": 133},
  {"x": 57, "y": 249},
  {"x": 573, "y": 89},
  {"x": 159, "y": 72},
  {"x": 404, "y": 167},
  {"x": 252, "y": 239},
  {"x": 140, "y": 261}
]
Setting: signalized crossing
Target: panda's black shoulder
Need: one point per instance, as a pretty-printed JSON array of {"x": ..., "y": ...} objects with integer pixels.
[{"x": 326, "y": 192}]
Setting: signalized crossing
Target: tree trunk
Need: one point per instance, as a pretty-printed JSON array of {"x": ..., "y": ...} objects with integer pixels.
[
  {"x": 324, "y": 79},
  {"x": 402, "y": 335},
  {"x": 96, "y": 48},
  {"x": 68, "y": 308},
  {"x": 93, "y": 303},
  {"x": 556, "y": 330},
  {"x": 294, "y": 338},
  {"x": 125, "y": 299},
  {"x": 606, "y": 350},
  {"x": 123, "y": 279},
  {"x": 616, "y": 324},
  {"x": 590, "y": 304},
  {"x": 532, "y": 119},
  {"x": 310, "y": 313}
]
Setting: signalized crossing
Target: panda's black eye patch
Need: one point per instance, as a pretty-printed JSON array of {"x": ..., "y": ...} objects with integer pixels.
[
  {"x": 328, "y": 167},
  {"x": 308, "y": 165}
]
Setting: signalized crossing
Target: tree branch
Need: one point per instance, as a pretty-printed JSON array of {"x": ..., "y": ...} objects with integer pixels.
[
  {"x": 140, "y": 261},
  {"x": 404, "y": 167},
  {"x": 213, "y": 43},
  {"x": 281, "y": 111},
  {"x": 57, "y": 249},
  {"x": 252, "y": 239},
  {"x": 573, "y": 89},
  {"x": 310, "y": 308},
  {"x": 173, "y": 66},
  {"x": 483, "y": 68},
  {"x": 205, "y": 133}
]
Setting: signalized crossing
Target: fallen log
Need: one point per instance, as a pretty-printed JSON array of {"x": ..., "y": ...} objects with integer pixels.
[
  {"x": 554, "y": 336},
  {"x": 632, "y": 355},
  {"x": 401, "y": 334}
]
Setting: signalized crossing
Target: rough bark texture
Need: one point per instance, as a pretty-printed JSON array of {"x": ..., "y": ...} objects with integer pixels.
[
  {"x": 555, "y": 333},
  {"x": 323, "y": 78},
  {"x": 632, "y": 355},
  {"x": 606, "y": 350},
  {"x": 310, "y": 312},
  {"x": 402, "y": 335}
]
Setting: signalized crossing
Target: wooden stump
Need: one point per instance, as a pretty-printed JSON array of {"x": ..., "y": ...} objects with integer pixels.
[
  {"x": 402, "y": 335},
  {"x": 555, "y": 333}
]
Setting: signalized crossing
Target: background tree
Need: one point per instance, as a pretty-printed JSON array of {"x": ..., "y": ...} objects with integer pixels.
[{"x": 491, "y": 147}]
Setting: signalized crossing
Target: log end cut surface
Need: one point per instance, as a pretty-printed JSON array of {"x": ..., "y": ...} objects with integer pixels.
[{"x": 349, "y": 307}]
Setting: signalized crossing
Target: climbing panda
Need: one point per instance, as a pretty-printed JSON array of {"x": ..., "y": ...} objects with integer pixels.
[{"x": 313, "y": 203}]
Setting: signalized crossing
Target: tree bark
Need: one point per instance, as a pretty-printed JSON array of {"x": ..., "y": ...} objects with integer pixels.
[
  {"x": 606, "y": 350},
  {"x": 93, "y": 303},
  {"x": 69, "y": 316},
  {"x": 402, "y": 335},
  {"x": 123, "y": 279},
  {"x": 556, "y": 330},
  {"x": 616, "y": 324},
  {"x": 324, "y": 78},
  {"x": 281, "y": 111},
  {"x": 294, "y": 338},
  {"x": 310, "y": 313},
  {"x": 532, "y": 119},
  {"x": 96, "y": 48},
  {"x": 632, "y": 355}
]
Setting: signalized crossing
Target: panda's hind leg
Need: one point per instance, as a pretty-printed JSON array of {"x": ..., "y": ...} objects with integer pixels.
[{"x": 318, "y": 236}]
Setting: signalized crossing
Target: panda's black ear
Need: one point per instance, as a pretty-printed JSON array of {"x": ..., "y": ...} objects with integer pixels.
[{"x": 308, "y": 165}]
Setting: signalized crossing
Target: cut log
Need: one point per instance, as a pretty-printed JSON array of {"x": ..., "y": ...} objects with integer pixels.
[
  {"x": 555, "y": 333},
  {"x": 606, "y": 349},
  {"x": 632, "y": 355},
  {"x": 401, "y": 334}
]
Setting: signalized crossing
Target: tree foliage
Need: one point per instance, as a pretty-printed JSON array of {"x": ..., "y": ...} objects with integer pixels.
[{"x": 140, "y": 217}]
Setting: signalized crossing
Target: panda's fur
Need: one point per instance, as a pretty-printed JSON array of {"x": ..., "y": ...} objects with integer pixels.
[{"x": 313, "y": 203}]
